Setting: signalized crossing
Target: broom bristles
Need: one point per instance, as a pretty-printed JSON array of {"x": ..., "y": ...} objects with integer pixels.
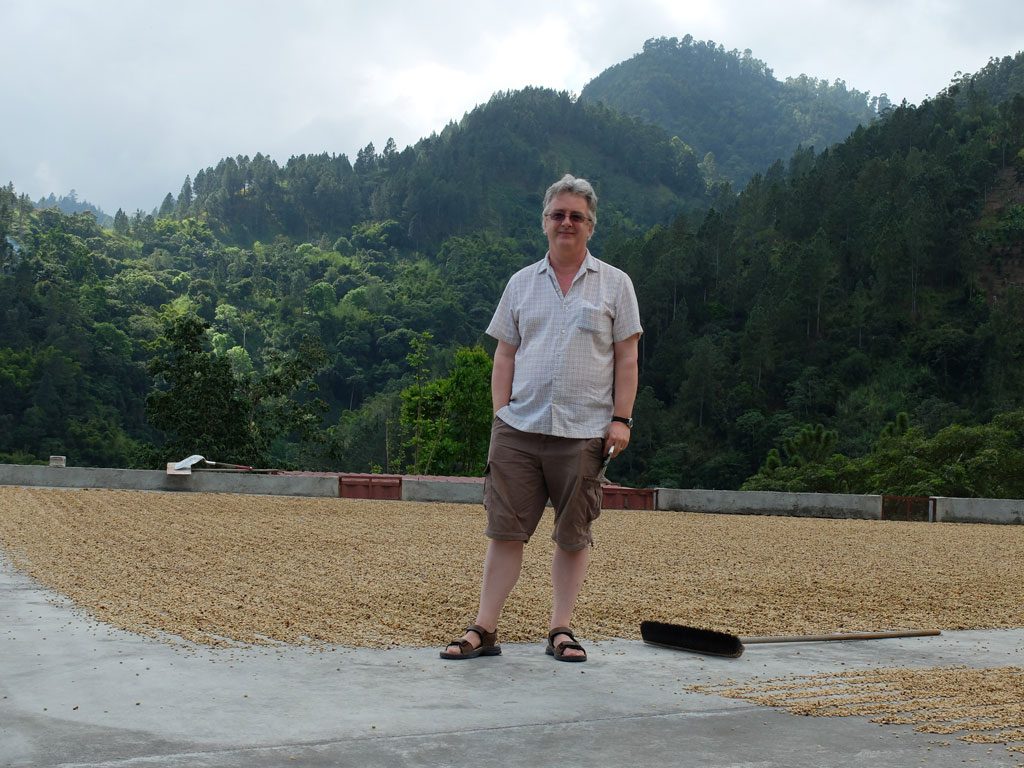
[{"x": 706, "y": 641}]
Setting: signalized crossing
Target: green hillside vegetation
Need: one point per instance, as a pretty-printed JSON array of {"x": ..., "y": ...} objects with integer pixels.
[
  {"x": 478, "y": 175},
  {"x": 355, "y": 260},
  {"x": 730, "y": 105},
  {"x": 840, "y": 289},
  {"x": 853, "y": 320}
]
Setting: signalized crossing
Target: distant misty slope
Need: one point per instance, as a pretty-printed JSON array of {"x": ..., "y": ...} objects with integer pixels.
[
  {"x": 730, "y": 104},
  {"x": 70, "y": 203}
]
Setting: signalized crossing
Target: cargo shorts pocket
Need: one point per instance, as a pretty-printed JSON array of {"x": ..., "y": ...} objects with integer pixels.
[{"x": 573, "y": 527}]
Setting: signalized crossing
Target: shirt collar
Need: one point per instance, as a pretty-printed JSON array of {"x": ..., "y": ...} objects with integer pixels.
[{"x": 590, "y": 263}]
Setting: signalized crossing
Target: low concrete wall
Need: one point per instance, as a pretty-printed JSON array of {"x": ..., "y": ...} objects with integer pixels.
[
  {"x": 158, "y": 480},
  {"x": 463, "y": 490},
  {"x": 948, "y": 510},
  {"x": 444, "y": 489},
  {"x": 771, "y": 503}
]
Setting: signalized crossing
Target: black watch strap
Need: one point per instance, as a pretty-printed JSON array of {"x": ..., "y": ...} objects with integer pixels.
[{"x": 627, "y": 420}]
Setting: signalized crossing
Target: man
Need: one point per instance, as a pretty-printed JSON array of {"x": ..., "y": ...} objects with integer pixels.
[{"x": 563, "y": 386}]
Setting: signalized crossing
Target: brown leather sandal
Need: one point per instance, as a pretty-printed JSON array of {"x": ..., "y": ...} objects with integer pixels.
[
  {"x": 488, "y": 645},
  {"x": 558, "y": 651}
]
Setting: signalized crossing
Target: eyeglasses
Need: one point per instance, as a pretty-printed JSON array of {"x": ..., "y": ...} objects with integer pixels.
[{"x": 574, "y": 216}]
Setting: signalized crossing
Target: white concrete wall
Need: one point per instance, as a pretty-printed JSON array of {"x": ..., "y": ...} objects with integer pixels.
[
  {"x": 466, "y": 491},
  {"x": 950, "y": 510},
  {"x": 159, "y": 480},
  {"x": 442, "y": 490},
  {"x": 771, "y": 503}
]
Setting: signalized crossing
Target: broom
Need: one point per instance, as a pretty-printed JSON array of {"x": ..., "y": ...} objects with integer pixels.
[{"x": 712, "y": 643}]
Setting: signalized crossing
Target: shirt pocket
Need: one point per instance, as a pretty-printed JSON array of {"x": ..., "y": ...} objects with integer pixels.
[{"x": 594, "y": 319}]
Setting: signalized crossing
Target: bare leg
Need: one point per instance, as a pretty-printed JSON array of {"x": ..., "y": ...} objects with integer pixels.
[
  {"x": 568, "y": 571},
  {"x": 502, "y": 565}
]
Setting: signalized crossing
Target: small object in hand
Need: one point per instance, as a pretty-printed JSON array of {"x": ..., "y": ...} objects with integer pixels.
[
  {"x": 604, "y": 465},
  {"x": 608, "y": 458}
]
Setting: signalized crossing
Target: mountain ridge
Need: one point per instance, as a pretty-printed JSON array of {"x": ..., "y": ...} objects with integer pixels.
[{"x": 756, "y": 119}]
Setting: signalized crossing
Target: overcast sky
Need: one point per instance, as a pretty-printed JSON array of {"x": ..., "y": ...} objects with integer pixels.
[{"x": 120, "y": 99}]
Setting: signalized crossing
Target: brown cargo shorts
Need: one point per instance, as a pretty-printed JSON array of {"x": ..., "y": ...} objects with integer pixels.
[{"x": 525, "y": 469}]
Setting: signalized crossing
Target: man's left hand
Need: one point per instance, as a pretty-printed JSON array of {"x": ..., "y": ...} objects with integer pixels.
[{"x": 617, "y": 435}]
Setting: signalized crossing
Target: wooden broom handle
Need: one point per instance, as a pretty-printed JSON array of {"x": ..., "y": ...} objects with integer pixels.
[{"x": 845, "y": 636}]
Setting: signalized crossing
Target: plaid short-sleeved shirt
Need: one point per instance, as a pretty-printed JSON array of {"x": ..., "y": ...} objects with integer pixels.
[{"x": 565, "y": 359}]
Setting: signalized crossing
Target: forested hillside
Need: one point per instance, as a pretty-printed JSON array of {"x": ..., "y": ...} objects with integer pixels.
[
  {"x": 853, "y": 319},
  {"x": 729, "y": 104},
  {"x": 839, "y": 291},
  {"x": 358, "y": 261},
  {"x": 480, "y": 174}
]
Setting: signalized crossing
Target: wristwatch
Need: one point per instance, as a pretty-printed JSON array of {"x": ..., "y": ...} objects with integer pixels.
[{"x": 627, "y": 420}]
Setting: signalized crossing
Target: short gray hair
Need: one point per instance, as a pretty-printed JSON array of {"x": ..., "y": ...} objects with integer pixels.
[{"x": 570, "y": 184}]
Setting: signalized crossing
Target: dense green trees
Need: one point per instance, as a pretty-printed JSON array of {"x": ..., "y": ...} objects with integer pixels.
[
  {"x": 195, "y": 403},
  {"x": 447, "y": 422},
  {"x": 201, "y": 401},
  {"x": 69, "y": 383},
  {"x": 958, "y": 461}
]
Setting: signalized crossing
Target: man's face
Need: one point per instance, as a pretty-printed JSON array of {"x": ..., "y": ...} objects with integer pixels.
[{"x": 572, "y": 232}]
